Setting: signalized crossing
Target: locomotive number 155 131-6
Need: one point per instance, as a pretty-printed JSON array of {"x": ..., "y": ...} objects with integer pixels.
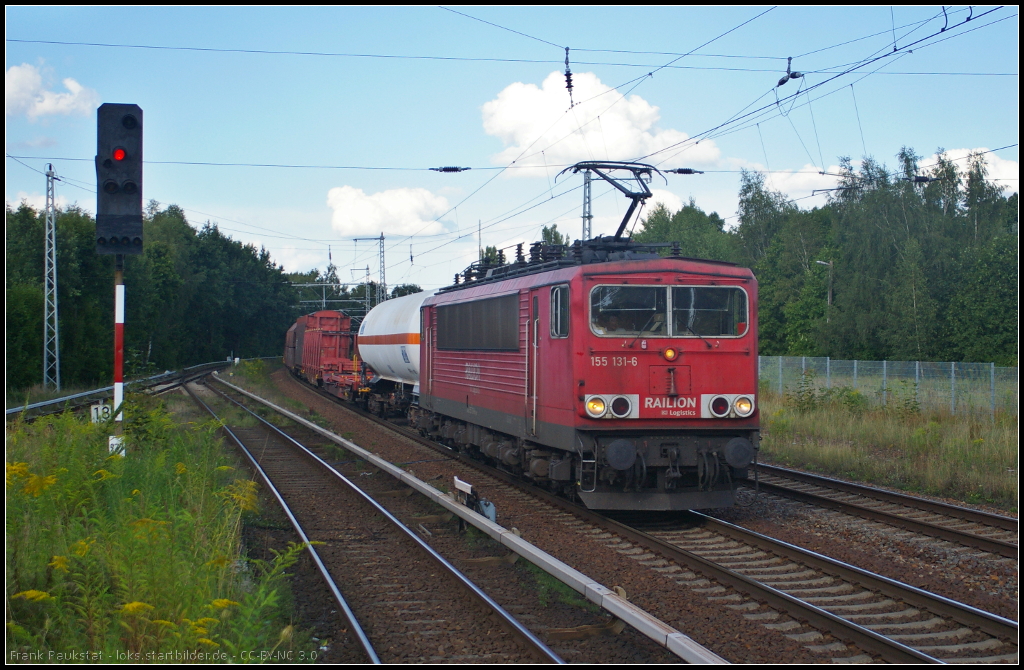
[{"x": 613, "y": 361}]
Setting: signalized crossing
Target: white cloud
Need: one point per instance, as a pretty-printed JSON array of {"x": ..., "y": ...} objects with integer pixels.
[
  {"x": 36, "y": 201},
  {"x": 1004, "y": 172},
  {"x": 24, "y": 94},
  {"x": 402, "y": 211},
  {"x": 671, "y": 201},
  {"x": 596, "y": 129}
]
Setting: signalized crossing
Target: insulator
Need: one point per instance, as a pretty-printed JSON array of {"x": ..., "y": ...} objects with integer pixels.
[{"x": 450, "y": 168}]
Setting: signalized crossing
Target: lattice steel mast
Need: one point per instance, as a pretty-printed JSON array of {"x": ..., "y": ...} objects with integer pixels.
[{"x": 51, "y": 331}]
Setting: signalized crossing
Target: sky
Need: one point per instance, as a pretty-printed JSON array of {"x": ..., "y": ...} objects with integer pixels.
[{"x": 309, "y": 130}]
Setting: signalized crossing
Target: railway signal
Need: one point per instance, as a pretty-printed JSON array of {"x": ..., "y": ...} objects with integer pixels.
[{"x": 119, "y": 179}]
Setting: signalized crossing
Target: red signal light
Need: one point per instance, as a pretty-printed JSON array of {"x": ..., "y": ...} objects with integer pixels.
[{"x": 120, "y": 154}]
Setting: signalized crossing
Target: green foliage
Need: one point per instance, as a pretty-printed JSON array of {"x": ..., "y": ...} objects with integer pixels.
[
  {"x": 917, "y": 272},
  {"x": 549, "y": 587},
  {"x": 552, "y": 236},
  {"x": 138, "y": 553},
  {"x": 193, "y": 296},
  {"x": 699, "y": 235},
  {"x": 405, "y": 289},
  {"x": 809, "y": 397}
]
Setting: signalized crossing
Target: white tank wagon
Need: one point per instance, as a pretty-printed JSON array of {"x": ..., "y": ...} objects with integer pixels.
[{"x": 389, "y": 339}]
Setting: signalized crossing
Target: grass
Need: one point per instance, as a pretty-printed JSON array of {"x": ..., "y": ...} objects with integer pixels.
[
  {"x": 549, "y": 587},
  {"x": 137, "y": 556},
  {"x": 967, "y": 457}
]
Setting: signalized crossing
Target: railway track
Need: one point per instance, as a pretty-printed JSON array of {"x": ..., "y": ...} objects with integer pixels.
[
  {"x": 403, "y": 600},
  {"x": 804, "y": 595},
  {"x": 786, "y": 585},
  {"x": 155, "y": 385},
  {"x": 988, "y": 532}
]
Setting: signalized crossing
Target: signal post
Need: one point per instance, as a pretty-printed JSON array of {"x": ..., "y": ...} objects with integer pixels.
[{"x": 118, "y": 217}]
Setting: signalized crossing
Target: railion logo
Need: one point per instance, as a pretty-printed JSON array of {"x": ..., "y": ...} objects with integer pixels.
[{"x": 670, "y": 403}]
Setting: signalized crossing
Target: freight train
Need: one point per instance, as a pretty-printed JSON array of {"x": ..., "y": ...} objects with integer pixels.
[{"x": 602, "y": 370}]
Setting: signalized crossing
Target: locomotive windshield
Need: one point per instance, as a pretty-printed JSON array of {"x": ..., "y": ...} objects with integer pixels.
[
  {"x": 625, "y": 311},
  {"x": 696, "y": 311},
  {"x": 709, "y": 310}
]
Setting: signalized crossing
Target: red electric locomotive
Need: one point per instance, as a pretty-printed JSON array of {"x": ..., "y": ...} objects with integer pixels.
[{"x": 623, "y": 378}]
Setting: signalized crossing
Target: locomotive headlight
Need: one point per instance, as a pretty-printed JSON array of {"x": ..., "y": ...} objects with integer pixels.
[
  {"x": 743, "y": 406},
  {"x": 670, "y": 354},
  {"x": 596, "y": 407}
]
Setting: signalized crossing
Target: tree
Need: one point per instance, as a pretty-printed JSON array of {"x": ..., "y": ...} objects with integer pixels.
[
  {"x": 699, "y": 235},
  {"x": 405, "y": 289},
  {"x": 552, "y": 236}
]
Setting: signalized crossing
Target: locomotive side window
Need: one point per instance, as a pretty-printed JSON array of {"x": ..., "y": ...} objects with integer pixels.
[
  {"x": 629, "y": 311},
  {"x": 491, "y": 324},
  {"x": 560, "y": 311},
  {"x": 703, "y": 311}
]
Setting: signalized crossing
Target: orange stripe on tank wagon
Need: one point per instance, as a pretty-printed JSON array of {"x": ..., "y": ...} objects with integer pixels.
[{"x": 397, "y": 338}]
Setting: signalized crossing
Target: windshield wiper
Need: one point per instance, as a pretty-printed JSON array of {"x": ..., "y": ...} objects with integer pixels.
[
  {"x": 698, "y": 335},
  {"x": 638, "y": 335}
]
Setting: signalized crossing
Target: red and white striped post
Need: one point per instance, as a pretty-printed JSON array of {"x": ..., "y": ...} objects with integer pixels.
[{"x": 115, "y": 444}]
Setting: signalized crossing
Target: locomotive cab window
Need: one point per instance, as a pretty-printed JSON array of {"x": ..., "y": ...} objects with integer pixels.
[
  {"x": 560, "y": 311},
  {"x": 703, "y": 311},
  {"x": 629, "y": 311}
]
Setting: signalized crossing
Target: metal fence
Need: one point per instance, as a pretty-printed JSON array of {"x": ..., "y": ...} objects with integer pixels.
[{"x": 952, "y": 387}]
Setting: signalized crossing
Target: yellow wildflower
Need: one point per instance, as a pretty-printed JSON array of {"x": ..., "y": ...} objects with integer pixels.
[
  {"x": 81, "y": 548},
  {"x": 35, "y": 485},
  {"x": 219, "y": 562},
  {"x": 59, "y": 563},
  {"x": 33, "y": 595},
  {"x": 199, "y": 630},
  {"x": 243, "y": 494},
  {"x": 224, "y": 468},
  {"x": 208, "y": 642},
  {"x": 136, "y": 607},
  {"x": 208, "y": 621},
  {"x": 116, "y": 456},
  {"x": 180, "y": 469},
  {"x": 163, "y": 622},
  {"x": 104, "y": 474},
  {"x": 136, "y": 492},
  {"x": 16, "y": 471},
  {"x": 221, "y": 603},
  {"x": 146, "y": 523},
  {"x": 286, "y": 633}
]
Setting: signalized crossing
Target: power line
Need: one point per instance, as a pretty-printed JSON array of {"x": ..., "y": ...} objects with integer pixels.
[
  {"x": 449, "y": 9},
  {"x": 863, "y": 63}
]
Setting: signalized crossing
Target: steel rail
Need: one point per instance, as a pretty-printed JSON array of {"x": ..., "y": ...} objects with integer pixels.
[
  {"x": 350, "y": 616},
  {"x": 866, "y": 639},
  {"x": 967, "y": 514},
  {"x": 993, "y": 624},
  {"x": 536, "y": 646},
  {"x": 106, "y": 391},
  {"x": 991, "y": 545}
]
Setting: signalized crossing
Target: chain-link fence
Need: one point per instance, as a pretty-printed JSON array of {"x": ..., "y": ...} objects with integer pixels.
[{"x": 952, "y": 387}]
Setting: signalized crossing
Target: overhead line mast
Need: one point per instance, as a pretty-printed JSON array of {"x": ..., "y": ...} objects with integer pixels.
[{"x": 51, "y": 331}]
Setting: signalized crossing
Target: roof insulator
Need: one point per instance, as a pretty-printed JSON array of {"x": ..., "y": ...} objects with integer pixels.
[{"x": 450, "y": 168}]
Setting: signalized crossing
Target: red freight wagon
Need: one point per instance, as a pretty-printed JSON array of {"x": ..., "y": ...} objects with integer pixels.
[
  {"x": 629, "y": 383},
  {"x": 320, "y": 347}
]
